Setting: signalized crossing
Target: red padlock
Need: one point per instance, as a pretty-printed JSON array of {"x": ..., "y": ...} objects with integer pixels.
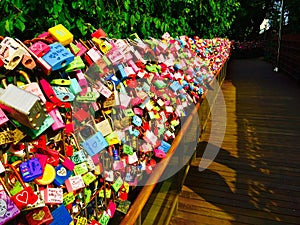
[{"x": 23, "y": 197}]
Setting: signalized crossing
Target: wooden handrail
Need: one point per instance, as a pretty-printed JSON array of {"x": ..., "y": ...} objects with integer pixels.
[{"x": 137, "y": 206}]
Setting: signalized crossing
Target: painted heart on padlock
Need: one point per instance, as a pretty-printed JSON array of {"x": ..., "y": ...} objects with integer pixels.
[
  {"x": 38, "y": 216},
  {"x": 22, "y": 197},
  {"x": 62, "y": 172}
]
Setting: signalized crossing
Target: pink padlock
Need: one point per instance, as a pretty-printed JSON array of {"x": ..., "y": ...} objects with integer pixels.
[
  {"x": 53, "y": 196},
  {"x": 58, "y": 121},
  {"x": 82, "y": 82},
  {"x": 39, "y": 48}
]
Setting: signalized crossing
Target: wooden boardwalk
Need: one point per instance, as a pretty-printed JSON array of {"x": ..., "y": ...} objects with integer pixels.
[{"x": 255, "y": 178}]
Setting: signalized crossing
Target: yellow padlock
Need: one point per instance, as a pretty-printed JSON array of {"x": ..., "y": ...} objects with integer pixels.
[
  {"x": 48, "y": 176},
  {"x": 61, "y": 34}
]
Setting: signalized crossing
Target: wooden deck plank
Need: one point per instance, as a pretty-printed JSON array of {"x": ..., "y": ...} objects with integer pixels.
[{"x": 255, "y": 177}]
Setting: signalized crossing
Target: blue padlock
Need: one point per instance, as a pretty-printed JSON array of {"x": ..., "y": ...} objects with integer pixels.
[
  {"x": 64, "y": 94},
  {"x": 136, "y": 120},
  {"x": 31, "y": 169},
  {"x": 121, "y": 72},
  {"x": 58, "y": 56},
  {"x": 175, "y": 86},
  {"x": 61, "y": 216},
  {"x": 164, "y": 146},
  {"x": 94, "y": 144},
  {"x": 62, "y": 174}
]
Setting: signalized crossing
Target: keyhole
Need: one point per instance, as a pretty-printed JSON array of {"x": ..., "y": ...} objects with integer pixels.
[{"x": 63, "y": 63}]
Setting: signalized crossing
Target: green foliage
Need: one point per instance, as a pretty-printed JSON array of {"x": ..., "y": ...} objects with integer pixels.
[{"x": 118, "y": 18}]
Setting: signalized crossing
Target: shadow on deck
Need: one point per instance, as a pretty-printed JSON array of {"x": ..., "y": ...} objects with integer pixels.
[{"x": 255, "y": 178}]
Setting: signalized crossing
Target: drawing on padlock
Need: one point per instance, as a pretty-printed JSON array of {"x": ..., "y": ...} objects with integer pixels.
[
  {"x": 94, "y": 142},
  {"x": 21, "y": 195},
  {"x": 11, "y": 53},
  {"x": 63, "y": 93},
  {"x": 58, "y": 56},
  {"x": 8, "y": 209}
]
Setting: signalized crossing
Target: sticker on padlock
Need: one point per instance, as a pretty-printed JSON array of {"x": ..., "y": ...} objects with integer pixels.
[{"x": 58, "y": 57}]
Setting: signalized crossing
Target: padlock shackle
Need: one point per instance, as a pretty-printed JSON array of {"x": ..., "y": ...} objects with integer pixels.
[
  {"x": 17, "y": 175},
  {"x": 24, "y": 75}
]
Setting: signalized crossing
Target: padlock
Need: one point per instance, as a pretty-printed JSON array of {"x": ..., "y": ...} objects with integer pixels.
[
  {"x": 32, "y": 114},
  {"x": 114, "y": 99},
  {"x": 53, "y": 196},
  {"x": 74, "y": 183},
  {"x": 30, "y": 169},
  {"x": 74, "y": 86},
  {"x": 94, "y": 54},
  {"x": 58, "y": 57},
  {"x": 39, "y": 203},
  {"x": 51, "y": 96},
  {"x": 82, "y": 81},
  {"x": 82, "y": 49},
  {"x": 23, "y": 195},
  {"x": 94, "y": 143},
  {"x": 58, "y": 121},
  {"x": 102, "y": 44},
  {"x": 45, "y": 67},
  {"x": 61, "y": 216},
  {"x": 63, "y": 93},
  {"x": 33, "y": 88},
  {"x": 121, "y": 74},
  {"x": 61, "y": 34},
  {"x": 39, "y": 216},
  {"x": 39, "y": 48},
  {"x": 8, "y": 209},
  {"x": 76, "y": 64},
  {"x": 11, "y": 53},
  {"x": 62, "y": 174},
  {"x": 104, "y": 126}
]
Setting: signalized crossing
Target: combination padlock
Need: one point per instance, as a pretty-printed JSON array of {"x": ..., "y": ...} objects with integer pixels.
[{"x": 23, "y": 106}]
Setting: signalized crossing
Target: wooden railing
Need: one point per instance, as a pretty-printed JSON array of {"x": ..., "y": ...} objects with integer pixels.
[
  {"x": 289, "y": 54},
  {"x": 133, "y": 216}
]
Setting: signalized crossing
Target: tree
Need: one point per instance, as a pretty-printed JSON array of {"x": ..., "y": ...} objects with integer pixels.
[{"x": 119, "y": 18}]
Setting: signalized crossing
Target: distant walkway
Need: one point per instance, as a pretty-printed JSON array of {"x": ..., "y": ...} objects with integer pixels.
[{"x": 255, "y": 178}]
